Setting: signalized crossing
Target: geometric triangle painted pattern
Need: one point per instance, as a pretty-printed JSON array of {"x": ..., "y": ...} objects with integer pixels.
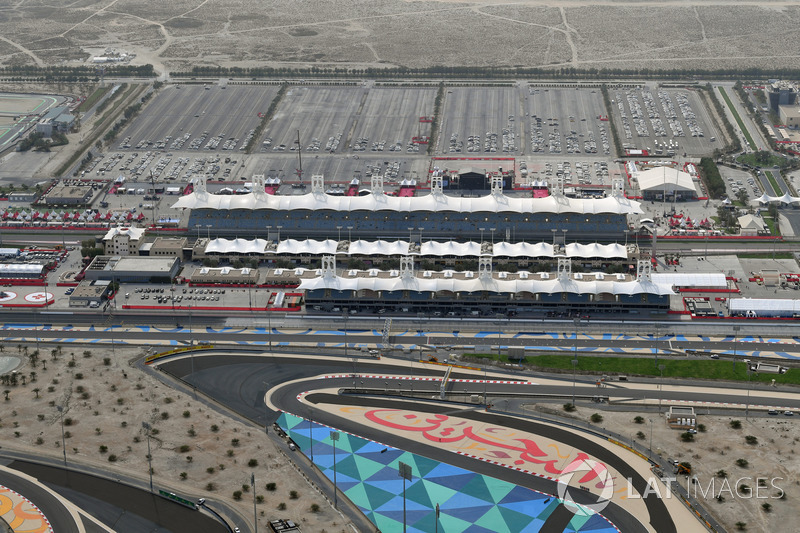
[{"x": 367, "y": 473}]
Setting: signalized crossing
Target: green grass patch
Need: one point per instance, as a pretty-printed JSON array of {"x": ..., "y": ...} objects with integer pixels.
[
  {"x": 738, "y": 119},
  {"x": 763, "y": 159},
  {"x": 773, "y": 182},
  {"x": 93, "y": 98},
  {"x": 774, "y": 228},
  {"x": 681, "y": 368},
  {"x": 119, "y": 101}
]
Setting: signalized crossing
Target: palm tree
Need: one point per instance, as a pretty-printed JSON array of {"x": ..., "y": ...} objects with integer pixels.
[
  {"x": 33, "y": 377},
  {"x": 36, "y": 392},
  {"x": 24, "y": 379},
  {"x": 6, "y": 392}
]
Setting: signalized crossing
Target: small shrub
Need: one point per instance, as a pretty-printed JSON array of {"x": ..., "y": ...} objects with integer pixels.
[
  {"x": 39, "y": 440},
  {"x": 112, "y": 458},
  {"x": 120, "y": 401},
  {"x": 741, "y": 526},
  {"x": 293, "y": 495},
  {"x": 701, "y": 428},
  {"x": 252, "y": 463},
  {"x": 103, "y": 449},
  {"x": 184, "y": 475},
  {"x": 736, "y": 424},
  {"x": 271, "y": 486},
  {"x": 638, "y": 420},
  {"x": 596, "y": 418},
  {"x": 314, "y": 508},
  {"x": 164, "y": 415},
  {"x": 107, "y": 361},
  {"x": 214, "y": 428},
  {"x": 640, "y": 435},
  {"x": 687, "y": 437},
  {"x": 237, "y": 495},
  {"x": 751, "y": 439},
  {"x": 68, "y": 421},
  {"x": 281, "y": 506},
  {"x": 210, "y": 469},
  {"x": 78, "y": 375},
  {"x": 259, "y": 499},
  {"x": 184, "y": 448},
  {"x": 189, "y": 458},
  {"x": 234, "y": 442},
  {"x": 186, "y": 414},
  {"x": 168, "y": 400},
  {"x": 742, "y": 463},
  {"x": 568, "y": 407},
  {"x": 744, "y": 488},
  {"x": 211, "y": 487},
  {"x": 230, "y": 453},
  {"x": 722, "y": 474}
]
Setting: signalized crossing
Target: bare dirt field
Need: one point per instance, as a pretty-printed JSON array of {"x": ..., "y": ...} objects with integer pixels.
[
  {"x": 105, "y": 404},
  {"x": 360, "y": 33},
  {"x": 715, "y": 456}
]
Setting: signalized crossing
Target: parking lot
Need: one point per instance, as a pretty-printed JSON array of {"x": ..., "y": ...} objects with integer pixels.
[
  {"x": 194, "y": 117},
  {"x": 322, "y": 115},
  {"x": 390, "y": 120},
  {"x": 664, "y": 122},
  {"x": 480, "y": 121},
  {"x": 561, "y": 122}
]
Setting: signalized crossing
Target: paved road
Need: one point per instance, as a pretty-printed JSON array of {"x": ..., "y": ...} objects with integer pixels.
[
  {"x": 58, "y": 515},
  {"x": 362, "y": 336},
  {"x": 240, "y": 381}
]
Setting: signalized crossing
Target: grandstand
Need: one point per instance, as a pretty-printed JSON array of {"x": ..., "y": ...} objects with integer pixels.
[
  {"x": 436, "y": 215},
  {"x": 483, "y": 293}
]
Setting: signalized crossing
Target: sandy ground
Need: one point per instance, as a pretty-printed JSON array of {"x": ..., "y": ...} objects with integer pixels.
[
  {"x": 375, "y": 33},
  {"x": 719, "y": 448},
  {"x": 105, "y": 405}
]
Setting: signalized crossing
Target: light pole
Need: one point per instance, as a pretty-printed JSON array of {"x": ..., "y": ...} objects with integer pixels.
[
  {"x": 63, "y": 441},
  {"x": 404, "y": 471},
  {"x": 650, "y": 453},
  {"x": 147, "y": 428},
  {"x": 661, "y": 385},
  {"x": 255, "y": 513},
  {"x": 437, "y": 519},
  {"x": 747, "y": 405},
  {"x": 334, "y": 438},
  {"x": 345, "y": 312},
  {"x": 735, "y": 338},
  {"x": 266, "y": 408},
  {"x": 574, "y": 364}
]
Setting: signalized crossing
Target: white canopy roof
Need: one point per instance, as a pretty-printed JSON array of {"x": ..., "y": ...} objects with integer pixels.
[
  {"x": 786, "y": 199},
  {"x": 661, "y": 178},
  {"x": 308, "y": 246},
  {"x": 435, "y": 248},
  {"x": 596, "y": 250},
  {"x": 478, "y": 283},
  {"x": 499, "y": 203},
  {"x": 379, "y": 247},
  {"x": 241, "y": 246},
  {"x": 523, "y": 249}
]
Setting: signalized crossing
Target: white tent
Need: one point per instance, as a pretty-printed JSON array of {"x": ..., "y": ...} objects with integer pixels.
[{"x": 667, "y": 179}]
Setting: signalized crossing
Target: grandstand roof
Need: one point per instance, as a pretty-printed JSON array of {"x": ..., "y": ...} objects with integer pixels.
[
  {"x": 379, "y": 247},
  {"x": 427, "y": 248},
  {"x": 661, "y": 178},
  {"x": 493, "y": 203},
  {"x": 476, "y": 284},
  {"x": 241, "y": 246},
  {"x": 450, "y": 248},
  {"x": 596, "y": 250},
  {"x": 307, "y": 246}
]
